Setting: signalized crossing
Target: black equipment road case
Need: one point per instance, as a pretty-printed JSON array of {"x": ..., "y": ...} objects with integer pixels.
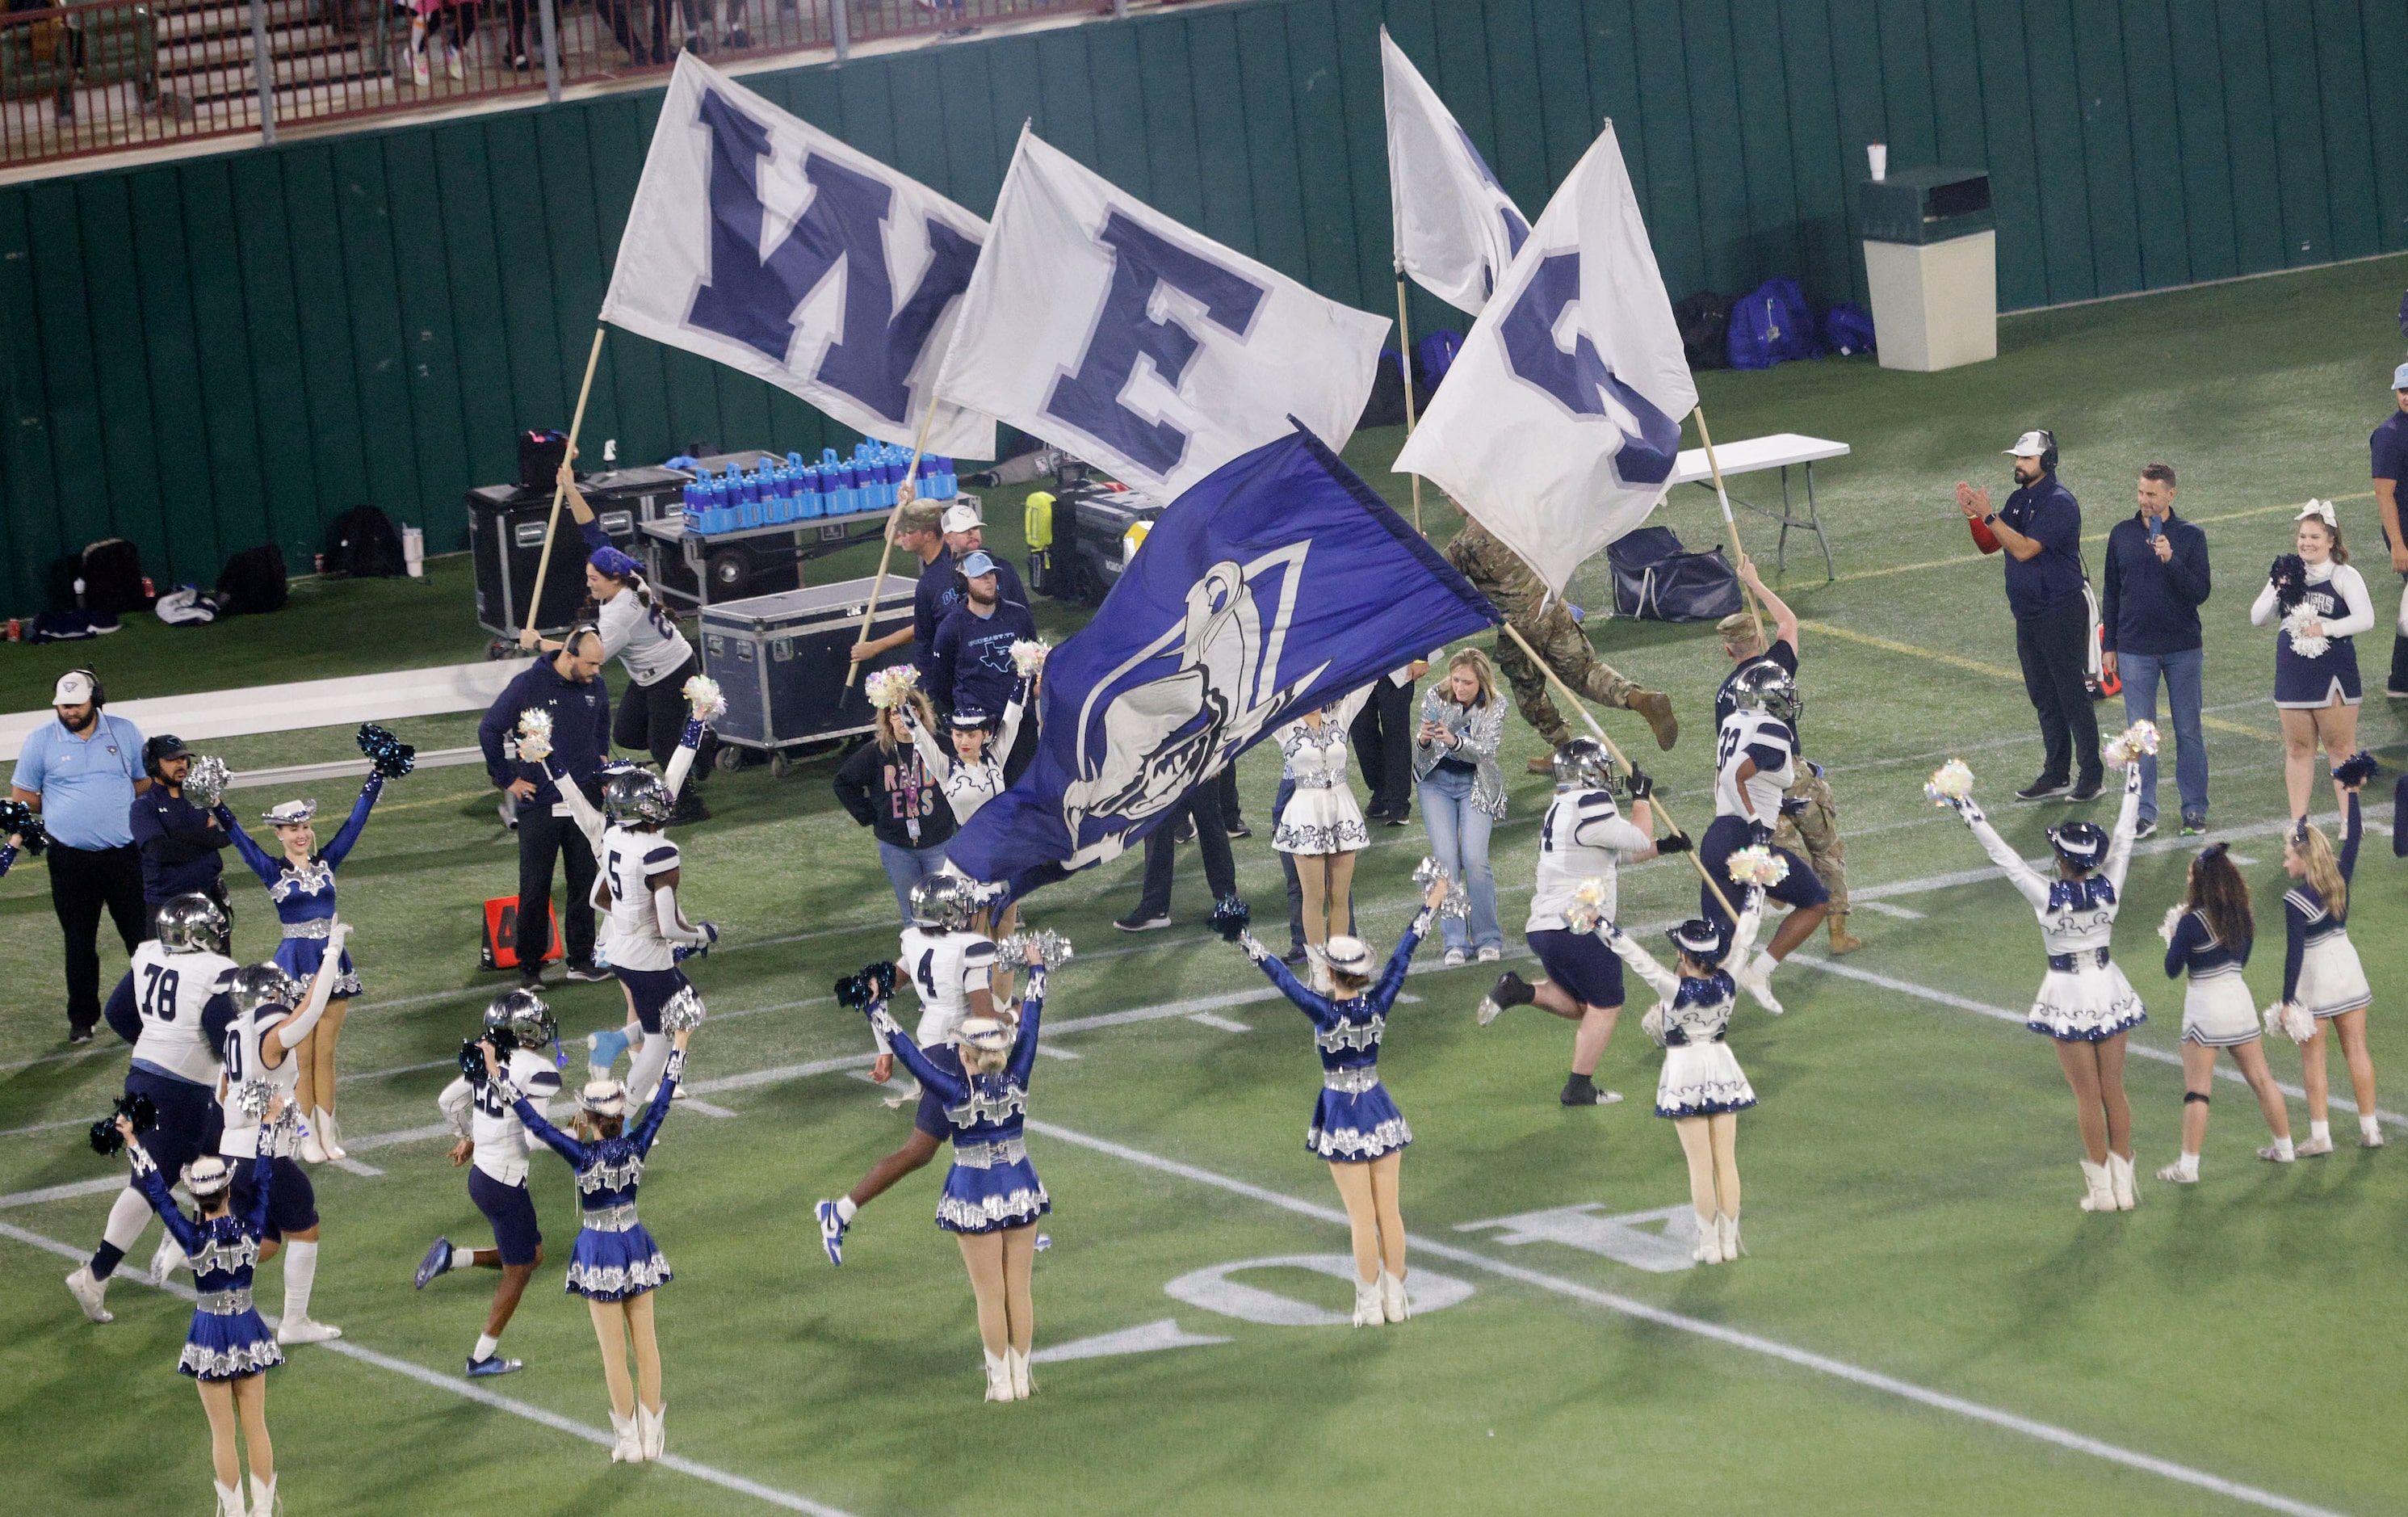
[
  {"x": 506, "y": 527},
  {"x": 780, "y": 660}
]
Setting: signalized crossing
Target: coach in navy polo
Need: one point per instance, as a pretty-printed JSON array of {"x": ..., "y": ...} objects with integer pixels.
[
  {"x": 2040, "y": 529},
  {"x": 2155, "y": 580},
  {"x": 2390, "y": 444}
]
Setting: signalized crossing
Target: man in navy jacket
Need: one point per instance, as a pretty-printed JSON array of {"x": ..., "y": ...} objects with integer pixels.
[
  {"x": 566, "y": 684},
  {"x": 2155, "y": 581},
  {"x": 179, "y": 842},
  {"x": 970, "y": 664}
]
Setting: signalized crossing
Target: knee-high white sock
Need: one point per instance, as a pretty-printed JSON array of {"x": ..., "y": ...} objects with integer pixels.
[
  {"x": 644, "y": 1070},
  {"x": 300, "y": 1274}
]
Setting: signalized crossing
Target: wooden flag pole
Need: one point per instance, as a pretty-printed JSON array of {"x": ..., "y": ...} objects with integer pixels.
[
  {"x": 559, "y": 488},
  {"x": 1405, "y": 340},
  {"x": 1731, "y": 523},
  {"x": 1696, "y": 862},
  {"x": 878, "y": 585}
]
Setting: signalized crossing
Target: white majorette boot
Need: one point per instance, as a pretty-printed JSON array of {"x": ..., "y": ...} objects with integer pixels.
[
  {"x": 624, "y": 1450},
  {"x": 1023, "y": 1387},
  {"x": 1709, "y": 1240},
  {"x": 263, "y": 1496},
  {"x": 1394, "y": 1304},
  {"x": 999, "y": 1376},
  {"x": 1367, "y": 1311},
  {"x": 330, "y": 1137},
  {"x": 311, "y": 1147},
  {"x": 230, "y": 1502},
  {"x": 2119, "y": 1180},
  {"x": 1726, "y": 1233},
  {"x": 2100, "y": 1195},
  {"x": 653, "y": 1429}
]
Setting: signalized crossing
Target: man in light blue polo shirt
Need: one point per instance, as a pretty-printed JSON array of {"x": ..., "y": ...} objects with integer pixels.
[{"x": 82, "y": 771}]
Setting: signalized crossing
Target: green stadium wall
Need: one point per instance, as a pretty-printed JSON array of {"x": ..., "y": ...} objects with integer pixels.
[{"x": 222, "y": 350}]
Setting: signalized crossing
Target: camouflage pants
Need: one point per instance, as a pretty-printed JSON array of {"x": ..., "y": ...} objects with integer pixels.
[
  {"x": 1567, "y": 649},
  {"x": 1814, "y": 832}
]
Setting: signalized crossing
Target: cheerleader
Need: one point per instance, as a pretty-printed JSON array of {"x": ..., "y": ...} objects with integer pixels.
[
  {"x": 229, "y": 1348},
  {"x": 991, "y": 1197},
  {"x": 1322, "y": 827},
  {"x": 614, "y": 1265},
  {"x": 2321, "y": 974},
  {"x": 2320, "y": 601},
  {"x": 1702, "y": 1090},
  {"x": 2086, "y": 1004},
  {"x": 972, "y": 775},
  {"x": 1356, "y": 1125},
  {"x": 301, "y": 882},
  {"x": 2209, "y": 935}
]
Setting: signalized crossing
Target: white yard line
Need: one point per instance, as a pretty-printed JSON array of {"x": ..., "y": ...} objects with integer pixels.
[
  {"x": 1734, "y": 1337},
  {"x": 452, "y": 1385}
]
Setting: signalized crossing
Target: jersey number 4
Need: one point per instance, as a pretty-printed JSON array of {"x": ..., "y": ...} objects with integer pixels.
[
  {"x": 159, "y": 992},
  {"x": 926, "y": 975}
]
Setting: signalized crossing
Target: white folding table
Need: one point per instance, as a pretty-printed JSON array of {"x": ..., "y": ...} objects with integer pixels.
[{"x": 1756, "y": 455}]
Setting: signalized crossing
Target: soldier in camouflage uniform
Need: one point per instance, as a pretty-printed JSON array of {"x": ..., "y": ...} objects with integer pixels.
[
  {"x": 1499, "y": 574},
  {"x": 1810, "y": 812}
]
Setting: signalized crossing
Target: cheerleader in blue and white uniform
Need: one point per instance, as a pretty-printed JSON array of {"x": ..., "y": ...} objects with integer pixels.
[
  {"x": 229, "y": 1348},
  {"x": 2208, "y": 937},
  {"x": 2086, "y": 1006},
  {"x": 614, "y": 1265},
  {"x": 1356, "y": 1124},
  {"x": 2317, "y": 691},
  {"x": 1702, "y": 1090},
  {"x": 2321, "y": 973},
  {"x": 301, "y": 884},
  {"x": 991, "y": 1197}
]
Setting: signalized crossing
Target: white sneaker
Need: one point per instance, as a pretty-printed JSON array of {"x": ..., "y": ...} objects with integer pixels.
[
  {"x": 2175, "y": 1174},
  {"x": 1369, "y": 1312},
  {"x": 2119, "y": 1180},
  {"x": 88, "y": 1292},
  {"x": 999, "y": 1378},
  {"x": 1760, "y": 987},
  {"x": 2275, "y": 1153},
  {"x": 624, "y": 1450},
  {"x": 418, "y": 75},
  {"x": 294, "y": 1330},
  {"x": 1455, "y": 959},
  {"x": 1710, "y": 1240},
  {"x": 165, "y": 1260},
  {"x": 2100, "y": 1187},
  {"x": 1394, "y": 1304},
  {"x": 1726, "y": 1233},
  {"x": 2371, "y": 1140},
  {"x": 653, "y": 1430},
  {"x": 2313, "y": 1148},
  {"x": 451, "y": 63},
  {"x": 1023, "y": 1387},
  {"x": 1491, "y": 954}
]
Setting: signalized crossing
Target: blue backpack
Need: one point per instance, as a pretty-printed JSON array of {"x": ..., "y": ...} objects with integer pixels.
[
  {"x": 1847, "y": 329},
  {"x": 1772, "y": 325}
]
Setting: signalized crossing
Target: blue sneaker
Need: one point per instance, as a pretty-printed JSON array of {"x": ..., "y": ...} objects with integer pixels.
[
  {"x": 602, "y": 1050},
  {"x": 832, "y": 1229},
  {"x": 490, "y": 1365},
  {"x": 438, "y": 1261}
]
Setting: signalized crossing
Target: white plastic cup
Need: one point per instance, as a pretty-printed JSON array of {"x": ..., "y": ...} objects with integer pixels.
[
  {"x": 1877, "y": 158},
  {"x": 414, "y": 550}
]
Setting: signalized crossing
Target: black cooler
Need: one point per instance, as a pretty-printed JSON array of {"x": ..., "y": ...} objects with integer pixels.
[
  {"x": 505, "y": 524},
  {"x": 780, "y": 660}
]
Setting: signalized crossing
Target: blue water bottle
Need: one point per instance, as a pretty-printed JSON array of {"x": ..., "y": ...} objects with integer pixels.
[{"x": 809, "y": 503}]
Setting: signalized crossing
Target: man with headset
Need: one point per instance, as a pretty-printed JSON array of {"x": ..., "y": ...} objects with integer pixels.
[
  {"x": 2040, "y": 529},
  {"x": 565, "y": 687},
  {"x": 82, "y": 771}
]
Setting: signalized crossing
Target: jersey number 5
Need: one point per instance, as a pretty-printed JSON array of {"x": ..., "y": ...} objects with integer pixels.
[{"x": 159, "y": 994}]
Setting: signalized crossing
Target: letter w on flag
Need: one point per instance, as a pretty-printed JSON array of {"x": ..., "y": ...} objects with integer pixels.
[{"x": 759, "y": 240}]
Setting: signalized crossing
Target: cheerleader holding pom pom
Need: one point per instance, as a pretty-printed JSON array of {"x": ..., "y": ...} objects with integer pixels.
[
  {"x": 2084, "y": 1005},
  {"x": 991, "y": 1197},
  {"x": 229, "y": 1346},
  {"x": 1356, "y": 1125},
  {"x": 2321, "y": 974},
  {"x": 1702, "y": 1090},
  {"x": 2208, "y": 936},
  {"x": 614, "y": 1265}
]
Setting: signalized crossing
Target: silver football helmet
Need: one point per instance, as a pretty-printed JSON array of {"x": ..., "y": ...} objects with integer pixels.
[
  {"x": 520, "y": 1019},
  {"x": 192, "y": 923},
  {"x": 635, "y": 797},
  {"x": 942, "y": 902},
  {"x": 1583, "y": 764},
  {"x": 1769, "y": 688},
  {"x": 255, "y": 986}
]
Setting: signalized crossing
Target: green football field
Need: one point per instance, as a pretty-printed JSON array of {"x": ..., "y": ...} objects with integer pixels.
[{"x": 1925, "y": 1320}]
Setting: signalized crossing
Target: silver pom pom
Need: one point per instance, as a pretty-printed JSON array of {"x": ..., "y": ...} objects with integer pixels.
[
  {"x": 1053, "y": 948},
  {"x": 682, "y": 1011},
  {"x": 205, "y": 783},
  {"x": 1427, "y": 872},
  {"x": 252, "y": 1098}
]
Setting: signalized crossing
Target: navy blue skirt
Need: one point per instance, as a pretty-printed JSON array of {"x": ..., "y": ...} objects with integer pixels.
[
  {"x": 2310, "y": 684},
  {"x": 228, "y": 1348},
  {"x": 990, "y": 1200},
  {"x": 613, "y": 1266},
  {"x": 1351, "y": 1129},
  {"x": 300, "y": 957}
]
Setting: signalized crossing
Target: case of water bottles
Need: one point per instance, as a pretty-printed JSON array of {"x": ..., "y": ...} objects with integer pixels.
[{"x": 779, "y": 492}]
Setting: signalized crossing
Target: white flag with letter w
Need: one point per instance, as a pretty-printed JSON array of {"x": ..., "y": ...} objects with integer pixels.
[
  {"x": 1457, "y": 229},
  {"x": 759, "y": 240},
  {"x": 1119, "y": 335},
  {"x": 1559, "y": 423}
]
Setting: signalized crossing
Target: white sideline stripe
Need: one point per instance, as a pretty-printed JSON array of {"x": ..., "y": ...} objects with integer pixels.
[
  {"x": 1207, "y": 1019},
  {"x": 1949, "y": 998},
  {"x": 1902, "y": 913},
  {"x": 294, "y": 707},
  {"x": 1754, "y": 1343},
  {"x": 443, "y": 1381}
]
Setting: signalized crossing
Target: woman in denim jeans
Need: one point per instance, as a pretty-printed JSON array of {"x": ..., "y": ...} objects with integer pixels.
[{"x": 1462, "y": 793}]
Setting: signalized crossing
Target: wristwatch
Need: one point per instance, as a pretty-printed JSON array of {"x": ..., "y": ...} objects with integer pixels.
[{"x": 1990, "y": 520}]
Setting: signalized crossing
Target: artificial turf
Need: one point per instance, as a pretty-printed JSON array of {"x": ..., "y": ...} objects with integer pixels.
[{"x": 1910, "y": 1174}]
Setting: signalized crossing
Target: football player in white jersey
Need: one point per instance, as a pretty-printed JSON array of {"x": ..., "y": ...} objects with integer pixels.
[
  {"x": 496, "y": 1144},
  {"x": 158, "y": 1008},
  {"x": 263, "y": 1016},
  {"x": 1756, "y": 760},
  {"x": 1584, "y": 836},
  {"x": 948, "y": 964}
]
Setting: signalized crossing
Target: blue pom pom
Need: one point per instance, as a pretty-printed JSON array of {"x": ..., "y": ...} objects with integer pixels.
[
  {"x": 1230, "y": 917},
  {"x": 2357, "y": 769},
  {"x": 388, "y": 755}
]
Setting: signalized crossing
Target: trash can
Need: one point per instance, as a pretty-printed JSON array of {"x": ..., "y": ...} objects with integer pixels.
[{"x": 1931, "y": 262}]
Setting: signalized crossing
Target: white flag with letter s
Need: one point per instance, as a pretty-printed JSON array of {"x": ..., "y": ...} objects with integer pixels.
[
  {"x": 1559, "y": 425},
  {"x": 1121, "y": 336},
  {"x": 1457, "y": 229},
  {"x": 760, "y": 241}
]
